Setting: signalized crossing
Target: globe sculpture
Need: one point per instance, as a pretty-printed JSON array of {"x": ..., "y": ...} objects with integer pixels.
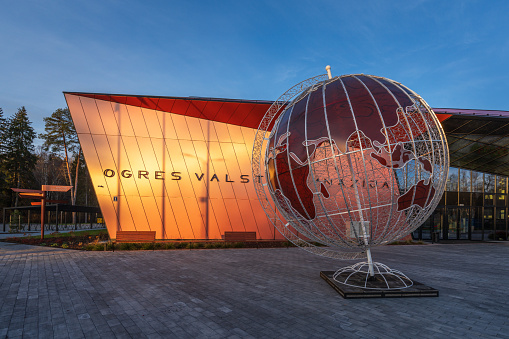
[{"x": 342, "y": 164}]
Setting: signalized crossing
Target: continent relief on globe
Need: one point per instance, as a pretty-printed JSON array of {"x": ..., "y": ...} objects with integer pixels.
[{"x": 324, "y": 117}]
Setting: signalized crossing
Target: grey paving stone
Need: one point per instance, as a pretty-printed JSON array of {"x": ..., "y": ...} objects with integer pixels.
[{"x": 246, "y": 293}]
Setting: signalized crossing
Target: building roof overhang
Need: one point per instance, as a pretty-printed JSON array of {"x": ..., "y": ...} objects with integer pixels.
[{"x": 478, "y": 139}]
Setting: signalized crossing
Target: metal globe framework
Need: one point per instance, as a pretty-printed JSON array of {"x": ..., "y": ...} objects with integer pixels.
[{"x": 342, "y": 164}]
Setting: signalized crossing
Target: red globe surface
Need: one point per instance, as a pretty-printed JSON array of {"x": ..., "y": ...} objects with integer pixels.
[{"x": 354, "y": 161}]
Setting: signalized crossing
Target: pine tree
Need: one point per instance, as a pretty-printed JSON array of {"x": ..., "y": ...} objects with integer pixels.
[
  {"x": 3, "y": 124},
  {"x": 61, "y": 137},
  {"x": 19, "y": 158},
  {"x": 4, "y": 189}
]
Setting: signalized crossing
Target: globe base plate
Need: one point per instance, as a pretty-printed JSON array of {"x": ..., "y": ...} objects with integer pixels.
[{"x": 354, "y": 292}]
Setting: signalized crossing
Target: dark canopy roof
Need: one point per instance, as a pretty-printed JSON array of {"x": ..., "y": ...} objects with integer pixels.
[{"x": 478, "y": 139}]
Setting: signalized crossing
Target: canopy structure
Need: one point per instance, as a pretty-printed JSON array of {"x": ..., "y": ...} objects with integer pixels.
[{"x": 478, "y": 139}]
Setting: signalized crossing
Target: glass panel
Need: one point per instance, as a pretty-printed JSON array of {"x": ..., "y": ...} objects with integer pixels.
[
  {"x": 464, "y": 222},
  {"x": 452, "y": 223},
  {"x": 437, "y": 221},
  {"x": 501, "y": 184},
  {"x": 452, "y": 198},
  {"x": 464, "y": 199},
  {"x": 442, "y": 199},
  {"x": 477, "y": 199},
  {"x": 477, "y": 181},
  {"x": 489, "y": 183},
  {"x": 488, "y": 221},
  {"x": 465, "y": 180},
  {"x": 476, "y": 224},
  {"x": 501, "y": 216},
  {"x": 425, "y": 229},
  {"x": 488, "y": 200},
  {"x": 500, "y": 200},
  {"x": 452, "y": 180}
]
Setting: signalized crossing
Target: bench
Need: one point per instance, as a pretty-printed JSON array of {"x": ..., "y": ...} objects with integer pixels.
[
  {"x": 134, "y": 237},
  {"x": 239, "y": 236}
]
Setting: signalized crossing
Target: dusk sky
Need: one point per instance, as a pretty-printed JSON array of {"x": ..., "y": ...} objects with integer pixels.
[{"x": 453, "y": 53}]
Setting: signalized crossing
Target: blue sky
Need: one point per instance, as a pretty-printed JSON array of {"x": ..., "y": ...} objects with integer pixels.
[{"x": 453, "y": 53}]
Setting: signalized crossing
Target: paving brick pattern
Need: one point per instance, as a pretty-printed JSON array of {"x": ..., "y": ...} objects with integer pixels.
[{"x": 246, "y": 293}]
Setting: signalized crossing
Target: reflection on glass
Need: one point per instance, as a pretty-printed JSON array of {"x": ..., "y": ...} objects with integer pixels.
[
  {"x": 488, "y": 200},
  {"x": 477, "y": 233},
  {"x": 464, "y": 223},
  {"x": 477, "y": 199},
  {"x": 500, "y": 200},
  {"x": 452, "y": 223},
  {"x": 464, "y": 199},
  {"x": 501, "y": 184},
  {"x": 452, "y": 198},
  {"x": 489, "y": 183},
  {"x": 500, "y": 221},
  {"x": 488, "y": 219},
  {"x": 464, "y": 180},
  {"x": 477, "y": 182},
  {"x": 452, "y": 180},
  {"x": 467, "y": 194}
]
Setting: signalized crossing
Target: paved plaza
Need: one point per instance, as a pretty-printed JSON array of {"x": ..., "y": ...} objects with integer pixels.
[{"x": 239, "y": 293}]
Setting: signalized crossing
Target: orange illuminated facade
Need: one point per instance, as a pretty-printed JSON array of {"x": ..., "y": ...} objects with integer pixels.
[
  {"x": 181, "y": 167},
  {"x": 176, "y": 166}
]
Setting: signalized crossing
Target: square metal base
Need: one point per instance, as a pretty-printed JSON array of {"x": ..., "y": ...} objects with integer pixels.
[{"x": 350, "y": 292}]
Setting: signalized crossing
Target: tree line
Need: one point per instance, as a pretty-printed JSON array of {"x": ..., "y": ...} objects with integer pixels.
[{"x": 58, "y": 161}]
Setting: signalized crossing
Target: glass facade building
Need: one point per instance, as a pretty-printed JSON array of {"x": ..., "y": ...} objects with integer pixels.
[
  {"x": 473, "y": 207},
  {"x": 182, "y": 167}
]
